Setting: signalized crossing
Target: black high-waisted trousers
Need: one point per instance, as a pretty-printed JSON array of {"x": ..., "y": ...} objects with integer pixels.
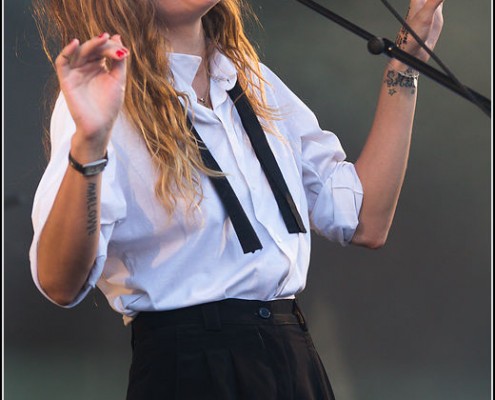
[{"x": 226, "y": 350}]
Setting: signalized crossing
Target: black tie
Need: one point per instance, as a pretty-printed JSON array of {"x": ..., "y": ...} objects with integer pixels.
[
  {"x": 257, "y": 136},
  {"x": 243, "y": 228}
]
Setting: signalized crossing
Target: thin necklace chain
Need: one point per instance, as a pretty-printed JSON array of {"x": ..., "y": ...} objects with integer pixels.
[{"x": 206, "y": 98}]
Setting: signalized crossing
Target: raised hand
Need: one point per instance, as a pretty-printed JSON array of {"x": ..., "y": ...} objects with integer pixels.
[
  {"x": 426, "y": 19},
  {"x": 92, "y": 78}
]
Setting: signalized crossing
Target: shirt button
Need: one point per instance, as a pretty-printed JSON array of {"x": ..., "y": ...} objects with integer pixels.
[{"x": 264, "y": 313}]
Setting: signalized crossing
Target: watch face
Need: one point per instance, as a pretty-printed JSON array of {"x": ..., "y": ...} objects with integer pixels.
[
  {"x": 89, "y": 169},
  {"x": 93, "y": 169}
]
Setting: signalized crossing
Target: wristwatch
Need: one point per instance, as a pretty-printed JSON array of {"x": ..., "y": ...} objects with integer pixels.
[{"x": 89, "y": 169}]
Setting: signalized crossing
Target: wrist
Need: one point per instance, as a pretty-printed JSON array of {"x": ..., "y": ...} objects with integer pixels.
[
  {"x": 400, "y": 78},
  {"x": 89, "y": 169},
  {"x": 402, "y": 69},
  {"x": 87, "y": 150}
]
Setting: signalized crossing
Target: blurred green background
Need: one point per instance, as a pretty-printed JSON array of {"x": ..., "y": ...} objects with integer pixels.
[{"x": 410, "y": 321}]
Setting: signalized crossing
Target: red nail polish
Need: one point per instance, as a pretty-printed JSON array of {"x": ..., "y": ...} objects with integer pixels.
[
  {"x": 101, "y": 35},
  {"x": 120, "y": 53}
]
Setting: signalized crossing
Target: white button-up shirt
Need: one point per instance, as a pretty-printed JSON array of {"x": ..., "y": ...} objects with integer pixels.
[{"x": 148, "y": 260}]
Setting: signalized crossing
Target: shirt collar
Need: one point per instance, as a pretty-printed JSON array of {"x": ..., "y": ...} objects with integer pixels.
[
  {"x": 223, "y": 71},
  {"x": 185, "y": 66}
]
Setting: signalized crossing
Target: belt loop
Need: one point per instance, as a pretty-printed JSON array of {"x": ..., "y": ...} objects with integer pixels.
[
  {"x": 211, "y": 317},
  {"x": 300, "y": 316}
]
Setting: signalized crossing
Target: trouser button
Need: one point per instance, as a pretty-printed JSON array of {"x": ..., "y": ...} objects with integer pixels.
[{"x": 264, "y": 312}]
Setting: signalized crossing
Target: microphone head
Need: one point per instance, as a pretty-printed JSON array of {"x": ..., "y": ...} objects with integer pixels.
[{"x": 376, "y": 45}]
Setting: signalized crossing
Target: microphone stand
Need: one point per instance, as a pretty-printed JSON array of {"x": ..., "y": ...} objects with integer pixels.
[{"x": 377, "y": 45}]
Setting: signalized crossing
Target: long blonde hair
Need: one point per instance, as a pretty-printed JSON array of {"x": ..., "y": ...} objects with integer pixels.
[{"x": 151, "y": 103}]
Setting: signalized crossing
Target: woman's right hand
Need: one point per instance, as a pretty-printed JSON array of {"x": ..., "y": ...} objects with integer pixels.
[{"x": 92, "y": 78}]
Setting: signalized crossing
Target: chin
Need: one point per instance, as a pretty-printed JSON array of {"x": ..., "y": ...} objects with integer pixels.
[{"x": 176, "y": 11}]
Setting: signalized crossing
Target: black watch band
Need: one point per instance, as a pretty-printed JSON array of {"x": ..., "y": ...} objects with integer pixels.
[{"x": 89, "y": 169}]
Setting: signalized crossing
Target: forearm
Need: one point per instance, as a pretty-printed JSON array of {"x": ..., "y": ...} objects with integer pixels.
[
  {"x": 69, "y": 240},
  {"x": 94, "y": 91},
  {"x": 382, "y": 164}
]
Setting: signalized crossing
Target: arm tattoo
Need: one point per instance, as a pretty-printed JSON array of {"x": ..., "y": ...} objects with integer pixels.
[
  {"x": 91, "y": 199},
  {"x": 395, "y": 80},
  {"x": 403, "y": 36}
]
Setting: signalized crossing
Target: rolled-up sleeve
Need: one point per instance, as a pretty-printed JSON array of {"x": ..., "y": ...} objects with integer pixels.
[
  {"x": 334, "y": 202},
  {"x": 332, "y": 186},
  {"x": 113, "y": 206}
]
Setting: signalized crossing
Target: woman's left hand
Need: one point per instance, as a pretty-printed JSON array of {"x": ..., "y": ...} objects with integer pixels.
[{"x": 426, "y": 19}]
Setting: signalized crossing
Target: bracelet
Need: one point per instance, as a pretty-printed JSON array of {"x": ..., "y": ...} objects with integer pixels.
[{"x": 409, "y": 73}]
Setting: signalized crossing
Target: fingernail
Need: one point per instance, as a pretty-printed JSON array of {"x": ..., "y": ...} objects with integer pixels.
[
  {"x": 120, "y": 53},
  {"x": 102, "y": 34}
]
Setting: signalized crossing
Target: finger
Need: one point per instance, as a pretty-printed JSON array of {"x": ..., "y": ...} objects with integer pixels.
[
  {"x": 111, "y": 49},
  {"x": 111, "y": 57},
  {"x": 63, "y": 61},
  {"x": 117, "y": 39},
  {"x": 89, "y": 51},
  {"x": 117, "y": 57},
  {"x": 121, "y": 51},
  {"x": 118, "y": 69}
]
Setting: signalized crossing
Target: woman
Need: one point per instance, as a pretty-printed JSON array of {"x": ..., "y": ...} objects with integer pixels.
[{"x": 162, "y": 191}]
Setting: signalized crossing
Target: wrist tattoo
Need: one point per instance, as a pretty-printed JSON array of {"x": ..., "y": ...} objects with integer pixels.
[
  {"x": 396, "y": 80},
  {"x": 91, "y": 200},
  {"x": 402, "y": 38},
  {"x": 403, "y": 35}
]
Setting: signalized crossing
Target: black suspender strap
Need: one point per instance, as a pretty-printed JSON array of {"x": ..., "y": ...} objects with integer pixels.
[
  {"x": 257, "y": 136},
  {"x": 243, "y": 228}
]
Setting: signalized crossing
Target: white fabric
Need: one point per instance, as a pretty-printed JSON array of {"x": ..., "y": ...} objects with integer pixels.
[{"x": 149, "y": 261}]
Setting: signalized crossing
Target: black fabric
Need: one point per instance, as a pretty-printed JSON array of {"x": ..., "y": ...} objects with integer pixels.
[
  {"x": 272, "y": 171},
  {"x": 235, "y": 350},
  {"x": 244, "y": 230}
]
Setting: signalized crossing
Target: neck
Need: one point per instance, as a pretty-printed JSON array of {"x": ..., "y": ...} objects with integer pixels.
[{"x": 187, "y": 39}]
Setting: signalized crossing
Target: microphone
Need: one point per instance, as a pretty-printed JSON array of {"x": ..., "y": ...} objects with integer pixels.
[{"x": 376, "y": 45}]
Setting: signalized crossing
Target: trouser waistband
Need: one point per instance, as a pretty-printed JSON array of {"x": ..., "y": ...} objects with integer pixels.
[{"x": 230, "y": 311}]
